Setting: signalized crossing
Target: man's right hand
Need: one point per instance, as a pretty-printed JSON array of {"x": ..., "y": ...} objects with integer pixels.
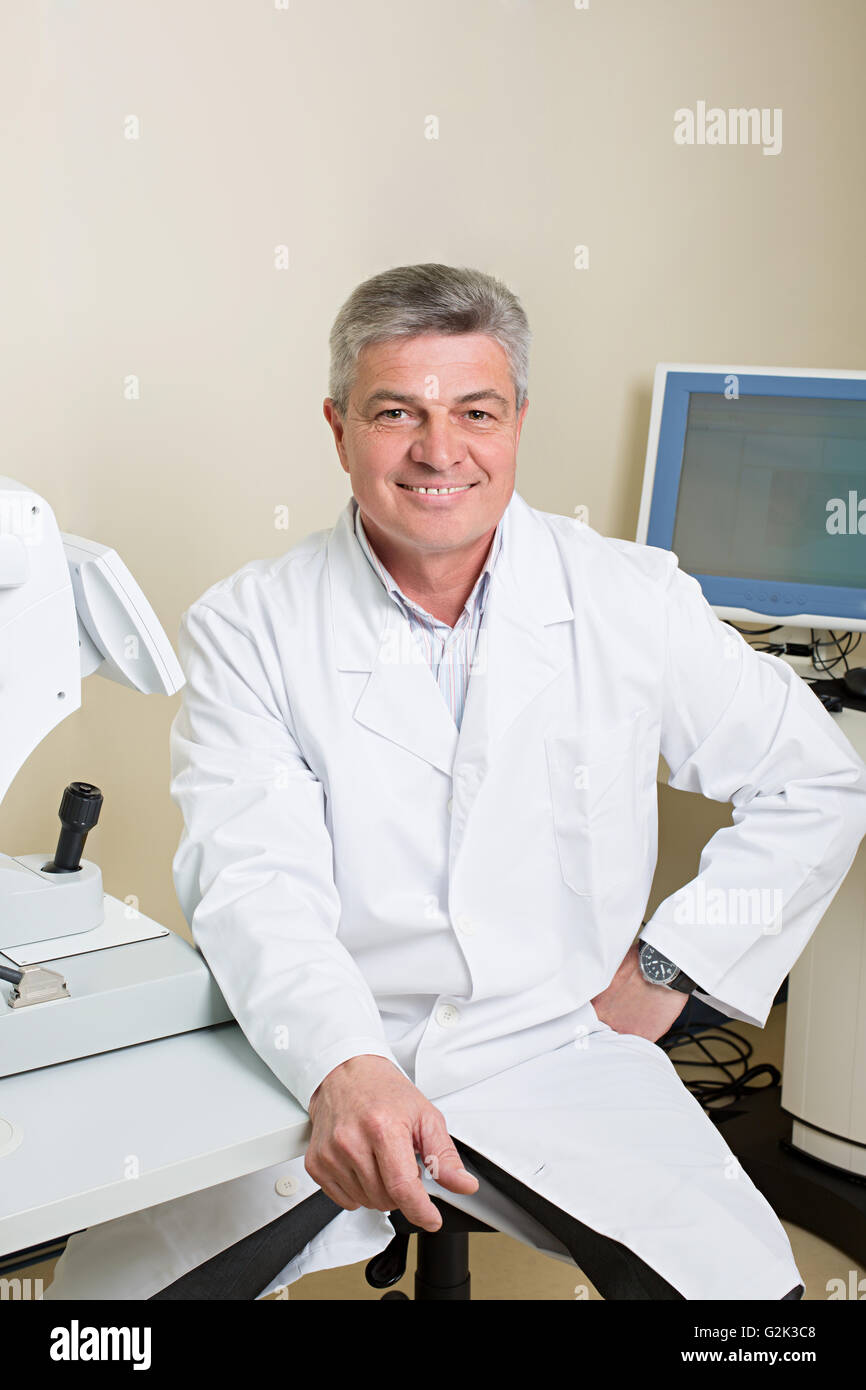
[{"x": 369, "y": 1122}]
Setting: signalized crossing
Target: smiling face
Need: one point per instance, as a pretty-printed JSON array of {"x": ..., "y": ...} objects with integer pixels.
[{"x": 432, "y": 412}]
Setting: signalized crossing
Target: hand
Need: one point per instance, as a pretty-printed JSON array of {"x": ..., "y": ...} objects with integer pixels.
[
  {"x": 631, "y": 1004},
  {"x": 369, "y": 1122}
]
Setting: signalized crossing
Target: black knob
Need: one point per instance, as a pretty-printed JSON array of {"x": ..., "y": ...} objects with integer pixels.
[
  {"x": 389, "y": 1265},
  {"x": 79, "y": 811}
]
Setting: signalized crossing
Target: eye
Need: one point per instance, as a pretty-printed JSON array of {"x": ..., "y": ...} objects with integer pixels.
[{"x": 394, "y": 410}]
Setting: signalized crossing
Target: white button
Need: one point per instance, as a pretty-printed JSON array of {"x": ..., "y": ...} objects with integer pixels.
[
  {"x": 287, "y": 1187},
  {"x": 447, "y": 1015},
  {"x": 464, "y": 924},
  {"x": 450, "y": 805}
]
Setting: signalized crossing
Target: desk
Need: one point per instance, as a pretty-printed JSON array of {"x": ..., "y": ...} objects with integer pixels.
[{"x": 184, "y": 1112}]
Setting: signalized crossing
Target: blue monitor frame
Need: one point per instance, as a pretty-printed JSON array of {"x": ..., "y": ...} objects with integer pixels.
[{"x": 744, "y": 599}]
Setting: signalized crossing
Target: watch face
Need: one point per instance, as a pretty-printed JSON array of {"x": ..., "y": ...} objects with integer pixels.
[{"x": 657, "y": 967}]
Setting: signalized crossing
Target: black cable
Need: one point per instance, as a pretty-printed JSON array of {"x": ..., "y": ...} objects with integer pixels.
[
  {"x": 850, "y": 639},
  {"x": 753, "y": 631},
  {"x": 730, "y": 1087}
]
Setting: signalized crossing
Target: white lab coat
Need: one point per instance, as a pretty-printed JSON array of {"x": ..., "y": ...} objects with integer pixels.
[{"x": 363, "y": 879}]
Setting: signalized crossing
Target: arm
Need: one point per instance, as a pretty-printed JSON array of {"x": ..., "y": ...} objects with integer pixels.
[
  {"x": 741, "y": 726},
  {"x": 254, "y": 868}
]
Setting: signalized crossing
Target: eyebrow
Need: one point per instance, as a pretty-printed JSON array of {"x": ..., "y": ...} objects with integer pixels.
[{"x": 488, "y": 394}]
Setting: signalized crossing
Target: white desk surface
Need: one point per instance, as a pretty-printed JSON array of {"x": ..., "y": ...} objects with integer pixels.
[{"x": 193, "y": 1110}]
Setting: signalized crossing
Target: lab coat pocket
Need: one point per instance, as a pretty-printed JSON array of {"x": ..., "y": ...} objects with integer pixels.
[{"x": 594, "y": 802}]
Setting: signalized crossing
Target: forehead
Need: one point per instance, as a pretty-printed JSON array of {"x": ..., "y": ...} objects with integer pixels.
[{"x": 450, "y": 356}]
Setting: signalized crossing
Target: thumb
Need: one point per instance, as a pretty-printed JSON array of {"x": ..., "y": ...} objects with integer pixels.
[{"x": 440, "y": 1157}]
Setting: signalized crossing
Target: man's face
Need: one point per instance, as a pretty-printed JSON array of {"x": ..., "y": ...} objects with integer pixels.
[{"x": 436, "y": 411}]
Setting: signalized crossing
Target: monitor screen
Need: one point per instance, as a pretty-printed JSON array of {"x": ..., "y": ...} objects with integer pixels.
[{"x": 770, "y": 489}]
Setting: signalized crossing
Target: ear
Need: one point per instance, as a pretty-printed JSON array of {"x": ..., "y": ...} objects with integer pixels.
[
  {"x": 520, "y": 418},
  {"x": 335, "y": 420}
]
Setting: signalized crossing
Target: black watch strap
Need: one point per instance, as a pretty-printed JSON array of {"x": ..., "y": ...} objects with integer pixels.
[{"x": 683, "y": 983}]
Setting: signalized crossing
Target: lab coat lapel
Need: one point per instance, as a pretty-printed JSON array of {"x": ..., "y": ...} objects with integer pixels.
[
  {"x": 401, "y": 700},
  {"x": 519, "y": 650}
]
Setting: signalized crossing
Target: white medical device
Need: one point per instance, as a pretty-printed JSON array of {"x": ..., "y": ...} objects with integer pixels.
[{"x": 80, "y": 972}]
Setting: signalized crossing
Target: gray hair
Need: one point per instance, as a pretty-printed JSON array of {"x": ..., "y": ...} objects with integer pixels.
[{"x": 409, "y": 300}]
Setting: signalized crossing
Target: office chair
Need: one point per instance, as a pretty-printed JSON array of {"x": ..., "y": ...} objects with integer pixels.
[{"x": 443, "y": 1256}]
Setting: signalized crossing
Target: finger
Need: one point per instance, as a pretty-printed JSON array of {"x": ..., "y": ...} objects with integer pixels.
[
  {"x": 403, "y": 1184},
  {"x": 339, "y": 1195},
  {"x": 440, "y": 1157},
  {"x": 335, "y": 1176},
  {"x": 376, "y": 1195},
  {"x": 367, "y": 1180},
  {"x": 372, "y": 1177},
  {"x": 358, "y": 1174}
]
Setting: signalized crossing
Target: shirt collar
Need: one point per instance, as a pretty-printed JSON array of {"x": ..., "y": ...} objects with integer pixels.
[{"x": 479, "y": 590}]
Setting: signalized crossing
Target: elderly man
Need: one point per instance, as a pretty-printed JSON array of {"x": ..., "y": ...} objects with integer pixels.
[{"x": 416, "y": 760}]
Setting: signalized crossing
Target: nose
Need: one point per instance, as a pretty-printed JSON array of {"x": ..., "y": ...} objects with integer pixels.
[{"x": 438, "y": 442}]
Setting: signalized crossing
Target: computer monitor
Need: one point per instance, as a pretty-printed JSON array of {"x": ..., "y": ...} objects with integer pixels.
[{"x": 756, "y": 479}]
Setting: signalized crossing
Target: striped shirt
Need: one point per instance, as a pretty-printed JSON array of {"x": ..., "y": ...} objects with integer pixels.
[{"x": 448, "y": 651}]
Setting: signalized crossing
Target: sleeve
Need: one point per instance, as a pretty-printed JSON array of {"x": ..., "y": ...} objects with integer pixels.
[
  {"x": 254, "y": 867},
  {"x": 742, "y": 726}
]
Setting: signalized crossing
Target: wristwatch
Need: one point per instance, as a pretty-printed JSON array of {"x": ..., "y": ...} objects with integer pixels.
[{"x": 660, "y": 971}]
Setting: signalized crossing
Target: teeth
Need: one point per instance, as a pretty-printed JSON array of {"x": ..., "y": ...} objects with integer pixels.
[{"x": 437, "y": 491}]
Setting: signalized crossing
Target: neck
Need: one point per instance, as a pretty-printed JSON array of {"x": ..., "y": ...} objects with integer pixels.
[{"x": 440, "y": 581}]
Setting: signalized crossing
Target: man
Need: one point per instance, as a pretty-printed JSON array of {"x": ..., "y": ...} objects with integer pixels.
[{"x": 417, "y": 762}]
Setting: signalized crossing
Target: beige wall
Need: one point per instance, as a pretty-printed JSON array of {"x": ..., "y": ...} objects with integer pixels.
[{"x": 306, "y": 126}]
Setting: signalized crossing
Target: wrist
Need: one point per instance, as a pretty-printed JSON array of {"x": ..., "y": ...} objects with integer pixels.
[{"x": 347, "y": 1067}]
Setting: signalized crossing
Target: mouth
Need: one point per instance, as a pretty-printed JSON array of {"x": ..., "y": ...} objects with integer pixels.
[{"x": 436, "y": 491}]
